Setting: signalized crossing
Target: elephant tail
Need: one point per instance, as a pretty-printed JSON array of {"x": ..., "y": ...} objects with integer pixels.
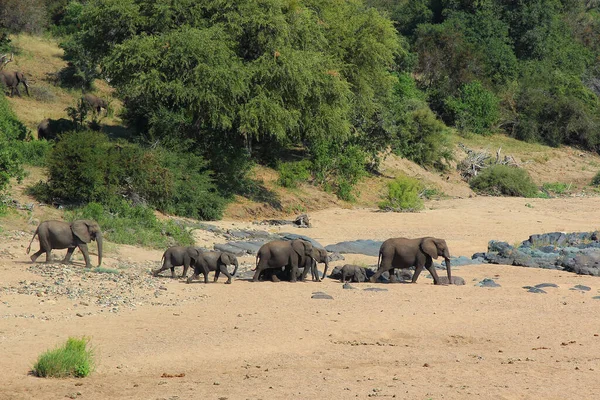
[
  {"x": 256, "y": 262},
  {"x": 31, "y": 241},
  {"x": 379, "y": 260}
]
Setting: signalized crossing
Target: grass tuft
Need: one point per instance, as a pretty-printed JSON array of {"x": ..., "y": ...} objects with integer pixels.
[{"x": 71, "y": 359}]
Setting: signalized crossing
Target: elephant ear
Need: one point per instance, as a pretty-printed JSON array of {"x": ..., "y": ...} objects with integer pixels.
[
  {"x": 429, "y": 247},
  {"x": 302, "y": 247},
  {"x": 226, "y": 258},
  {"x": 81, "y": 229}
]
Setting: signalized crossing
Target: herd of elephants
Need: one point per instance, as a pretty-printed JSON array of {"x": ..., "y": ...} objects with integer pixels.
[{"x": 276, "y": 260}]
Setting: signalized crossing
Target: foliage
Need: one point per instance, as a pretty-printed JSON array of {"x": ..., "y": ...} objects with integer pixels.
[
  {"x": 86, "y": 167},
  {"x": 22, "y": 15},
  {"x": 12, "y": 133},
  {"x": 596, "y": 179},
  {"x": 74, "y": 359},
  {"x": 498, "y": 180},
  {"x": 292, "y": 173},
  {"x": 125, "y": 223},
  {"x": 475, "y": 109},
  {"x": 403, "y": 195},
  {"x": 556, "y": 188},
  {"x": 33, "y": 152}
]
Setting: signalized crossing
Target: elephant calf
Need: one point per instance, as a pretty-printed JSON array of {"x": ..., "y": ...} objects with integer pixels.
[
  {"x": 214, "y": 261},
  {"x": 354, "y": 272},
  {"x": 176, "y": 256}
]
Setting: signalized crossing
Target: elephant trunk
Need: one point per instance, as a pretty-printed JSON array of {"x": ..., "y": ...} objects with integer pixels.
[
  {"x": 235, "y": 263},
  {"x": 99, "y": 242},
  {"x": 448, "y": 270},
  {"x": 326, "y": 266}
]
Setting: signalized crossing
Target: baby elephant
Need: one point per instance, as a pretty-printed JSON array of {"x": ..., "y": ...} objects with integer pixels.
[
  {"x": 176, "y": 256},
  {"x": 214, "y": 261},
  {"x": 354, "y": 272}
]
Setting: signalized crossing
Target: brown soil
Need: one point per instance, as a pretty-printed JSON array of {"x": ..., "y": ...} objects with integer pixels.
[{"x": 272, "y": 341}]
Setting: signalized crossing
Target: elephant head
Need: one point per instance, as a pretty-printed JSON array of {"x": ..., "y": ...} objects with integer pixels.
[
  {"x": 303, "y": 248},
  {"x": 86, "y": 231},
  {"x": 323, "y": 257},
  {"x": 230, "y": 259},
  {"x": 434, "y": 248}
]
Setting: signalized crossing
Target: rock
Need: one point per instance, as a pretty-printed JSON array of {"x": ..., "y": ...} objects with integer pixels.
[
  {"x": 348, "y": 286},
  {"x": 596, "y": 297},
  {"x": 366, "y": 247},
  {"x": 335, "y": 257},
  {"x": 487, "y": 282},
  {"x": 536, "y": 290},
  {"x": 581, "y": 287},
  {"x": 293, "y": 236},
  {"x": 456, "y": 280},
  {"x": 544, "y": 285},
  {"x": 302, "y": 221},
  {"x": 375, "y": 289},
  {"x": 321, "y": 295}
]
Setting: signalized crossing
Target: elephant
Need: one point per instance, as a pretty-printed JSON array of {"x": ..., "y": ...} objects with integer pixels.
[
  {"x": 176, "y": 256},
  {"x": 356, "y": 273},
  {"x": 65, "y": 235},
  {"x": 214, "y": 261},
  {"x": 49, "y": 129},
  {"x": 279, "y": 253},
  {"x": 12, "y": 79},
  {"x": 95, "y": 103},
  {"x": 405, "y": 253},
  {"x": 279, "y": 274},
  {"x": 317, "y": 256}
]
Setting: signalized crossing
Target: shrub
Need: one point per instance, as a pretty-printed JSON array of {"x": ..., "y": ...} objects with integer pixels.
[
  {"x": 34, "y": 152},
  {"x": 475, "y": 109},
  {"x": 596, "y": 179},
  {"x": 556, "y": 188},
  {"x": 23, "y": 15},
  {"x": 10, "y": 127},
  {"x": 500, "y": 180},
  {"x": 403, "y": 195},
  {"x": 125, "y": 223},
  {"x": 292, "y": 173},
  {"x": 72, "y": 359}
]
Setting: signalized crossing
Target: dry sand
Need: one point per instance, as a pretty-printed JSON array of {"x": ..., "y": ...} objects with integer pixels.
[{"x": 272, "y": 341}]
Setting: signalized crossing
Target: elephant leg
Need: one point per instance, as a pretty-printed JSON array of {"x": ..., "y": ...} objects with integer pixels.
[
  {"x": 166, "y": 265},
  {"x": 38, "y": 253},
  {"x": 392, "y": 273},
  {"x": 86, "y": 254},
  {"x": 205, "y": 273},
  {"x": 186, "y": 266},
  {"x": 294, "y": 272},
  {"x": 67, "y": 259},
  {"x": 173, "y": 272},
  {"x": 223, "y": 269},
  {"x": 430, "y": 267},
  {"x": 218, "y": 272},
  {"x": 418, "y": 269},
  {"x": 262, "y": 265},
  {"x": 385, "y": 266}
]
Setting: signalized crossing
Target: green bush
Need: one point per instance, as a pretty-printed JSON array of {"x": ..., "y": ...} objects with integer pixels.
[
  {"x": 475, "y": 109},
  {"x": 10, "y": 127},
  {"x": 86, "y": 167},
  {"x": 403, "y": 195},
  {"x": 292, "y": 173},
  {"x": 72, "y": 359},
  {"x": 125, "y": 223},
  {"x": 34, "y": 152},
  {"x": 498, "y": 180},
  {"x": 556, "y": 188},
  {"x": 596, "y": 179}
]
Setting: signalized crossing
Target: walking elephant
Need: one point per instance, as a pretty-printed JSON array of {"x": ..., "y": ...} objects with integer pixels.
[
  {"x": 95, "y": 103},
  {"x": 279, "y": 253},
  {"x": 49, "y": 129},
  {"x": 214, "y": 261},
  {"x": 12, "y": 79},
  {"x": 64, "y": 235},
  {"x": 176, "y": 256},
  {"x": 405, "y": 253}
]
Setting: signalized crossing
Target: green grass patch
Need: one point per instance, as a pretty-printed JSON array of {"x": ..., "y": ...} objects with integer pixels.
[
  {"x": 74, "y": 359},
  {"x": 403, "y": 195},
  {"x": 502, "y": 180},
  {"x": 291, "y": 174},
  {"x": 556, "y": 188}
]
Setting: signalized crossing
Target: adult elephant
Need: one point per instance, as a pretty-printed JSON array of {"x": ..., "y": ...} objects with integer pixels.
[
  {"x": 405, "y": 253},
  {"x": 176, "y": 256},
  {"x": 49, "y": 129},
  {"x": 279, "y": 253},
  {"x": 65, "y": 235},
  {"x": 214, "y": 261},
  {"x": 95, "y": 103},
  {"x": 12, "y": 79}
]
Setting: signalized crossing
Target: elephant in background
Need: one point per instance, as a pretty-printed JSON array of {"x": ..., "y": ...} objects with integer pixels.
[
  {"x": 356, "y": 273},
  {"x": 214, "y": 261},
  {"x": 49, "y": 129},
  {"x": 12, "y": 79},
  {"x": 404, "y": 253},
  {"x": 95, "y": 103},
  {"x": 64, "y": 235},
  {"x": 279, "y": 253},
  {"x": 176, "y": 256}
]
